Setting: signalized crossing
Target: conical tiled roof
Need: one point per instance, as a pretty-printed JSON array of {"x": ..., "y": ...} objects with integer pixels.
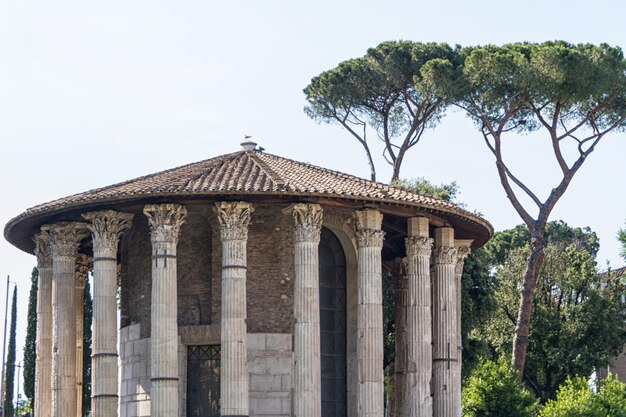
[{"x": 243, "y": 173}]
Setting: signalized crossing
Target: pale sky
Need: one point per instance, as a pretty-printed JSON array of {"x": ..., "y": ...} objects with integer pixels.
[{"x": 94, "y": 93}]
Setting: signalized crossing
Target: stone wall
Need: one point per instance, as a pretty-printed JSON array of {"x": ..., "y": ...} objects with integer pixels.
[
  {"x": 134, "y": 373},
  {"x": 270, "y": 363}
]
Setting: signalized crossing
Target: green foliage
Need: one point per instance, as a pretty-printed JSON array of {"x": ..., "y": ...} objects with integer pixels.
[
  {"x": 9, "y": 372},
  {"x": 24, "y": 408},
  {"x": 521, "y": 83},
  {"x": 556, "y": 232},
  {"x": 577, "y": 324},
  {"x": 421, "y": 185},
  {"x": 621, "y": 236},
  {"x": 477, "y": 306},
  {"x": 575, "y": 398},
  {"x": 87, "y": 318},
  {"x": 383, "y": 90},
  {"x": 30, "y": 345},
  {"x": 492, "y": 391}
]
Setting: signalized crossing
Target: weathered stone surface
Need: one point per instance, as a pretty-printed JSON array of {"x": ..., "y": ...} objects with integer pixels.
[
  {"x": 64, "y": 240},
  {"x": 306, "y": 309},
  {"x": 165, "y": 223},
  {"x": 106, "y": 228},
  {"x": 234, "y": 218},
  {"x": 446, "y": 384},
  {"x": 43, "y": 363},
  {"x": 417, "y": 385},
  {"x": 370, "y": 391}
]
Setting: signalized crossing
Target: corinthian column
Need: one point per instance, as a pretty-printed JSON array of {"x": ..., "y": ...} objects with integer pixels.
[
  {"x": 446, "y": 388},
  {"x": 419, "y": 321},
  {"x": 463, "y": 249},
  {"x": 234, "y": 218},
  {"x": 165, "y": 223},
  {"x": 64, "y": 241},
  {"x": 106, "y": 228},
  {"x": 400, "y": 326},
  {"x": 83, "y": 264},
  {"x": 369, "y": 238},
  {"x": 43, "y": 361},
  {"x": 306, "y": 308}
]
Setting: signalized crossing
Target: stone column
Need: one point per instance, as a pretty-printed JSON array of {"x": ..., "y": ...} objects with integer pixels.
[
  {"x": 43, "y": 361},
  {"x": 419, "y": 320},
  {"x": 463, "y": 249},
  {"x": 446, "y": 388},
  {"x": 306, "y": 308},
  {"x": 234, "y": 218},
  {"x": 83, "y": 264},
  {"x": 64, "y": 240},
  {"x": 106, "y": 228},
  {"x": 400, "y": 362},
  {"x": 369, "y": 237},
  {"x": 165, "y": 223}
]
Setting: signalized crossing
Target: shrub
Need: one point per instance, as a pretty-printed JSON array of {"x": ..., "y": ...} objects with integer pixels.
[
  {"x": 575, "y": 398},
  {"x": 492, "y": 390}
]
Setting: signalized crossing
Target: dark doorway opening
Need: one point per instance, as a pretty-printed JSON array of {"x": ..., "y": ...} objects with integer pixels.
[
  {"x": 332, "y": 271},
  {"x": 203, "y": 381}
]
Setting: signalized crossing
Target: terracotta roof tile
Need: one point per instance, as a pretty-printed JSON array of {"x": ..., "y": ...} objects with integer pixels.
[
  {"x": 256, "y": 172},
  {"x": 250, "y": 172}
]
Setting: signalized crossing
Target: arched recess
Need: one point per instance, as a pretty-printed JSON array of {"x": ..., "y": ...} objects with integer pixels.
[{"x": 337, "y": 268}]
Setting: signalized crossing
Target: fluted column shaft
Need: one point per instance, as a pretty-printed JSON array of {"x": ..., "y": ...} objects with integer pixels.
[
  {"x": 106, "y": 228},
  {"x": 419, "y": 321},
  {"x": 307, "y": 374},
  {"x": 82, "y": 268},
  {"x": 64, "y": 240},
  {"x": 369, "y": 236},
  {"x": 446, "y": 384},
  {"x": 234, "y": 218},
  {"x": 400, "y": 326},
  {"x": 463, "y": 248},
  {"x": 43, "y": 361},
  {"x": 165, "y": 222}
]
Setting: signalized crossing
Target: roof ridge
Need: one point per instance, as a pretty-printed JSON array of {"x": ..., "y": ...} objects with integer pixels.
[
  {"x": 221, "y": 160},
  {"x": 263, "y": 166}
]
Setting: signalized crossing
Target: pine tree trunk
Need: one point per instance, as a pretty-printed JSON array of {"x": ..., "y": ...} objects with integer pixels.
[{"x": 524, "y": 315}]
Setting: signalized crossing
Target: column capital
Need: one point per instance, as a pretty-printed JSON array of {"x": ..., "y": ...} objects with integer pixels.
[
  {"x": 65, "y": 237},
  {"x": 368, "y": 228},
  {"x": 418, "y": 246},
  {"x": 463, "y": 249},
  {"x": 445, "y": 255},
  {"x": 106, "y": 227},
  {"x": 308, "y": 222},
  {"x": 83, "y": 265},
  {"x": 165, "y": 221},
  {"x": 234, "y": 218},
  {"x": 43, "y": 250}
]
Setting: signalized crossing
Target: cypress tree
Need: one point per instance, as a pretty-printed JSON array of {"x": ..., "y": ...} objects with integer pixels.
[
  {"x": 87, "y": 317},
  {"x": 30, "y": 345},
  {"x": 10, "y": 363}
]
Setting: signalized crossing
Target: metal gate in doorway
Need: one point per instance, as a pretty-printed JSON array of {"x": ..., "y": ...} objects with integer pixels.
[{"x": 203, "y": 381}]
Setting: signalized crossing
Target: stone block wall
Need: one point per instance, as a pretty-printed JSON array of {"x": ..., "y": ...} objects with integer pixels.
[
  {"x": 134, "y": 373},
  {"x": 270, "y": 364}
]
